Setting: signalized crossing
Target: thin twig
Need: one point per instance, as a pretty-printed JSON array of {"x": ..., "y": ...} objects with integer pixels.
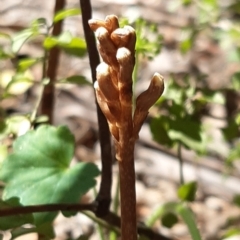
[
  {"x": 53, "y": 60},
  {"x": 179, "y": 154},
  {"x": 111, "y": 218},
  {"x": 45, "y": 208},
  {"x": 104, "y": 195}
]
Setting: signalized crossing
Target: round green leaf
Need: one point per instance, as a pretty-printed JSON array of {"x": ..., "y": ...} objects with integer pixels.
[
  {"x": 38, "y": 172},
  {"x": 169, "y": 219},
  {"x": 188, "y": 191}
]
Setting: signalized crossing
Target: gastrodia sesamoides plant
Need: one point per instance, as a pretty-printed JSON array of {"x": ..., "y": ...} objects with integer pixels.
[{"x": 114, "y": 82}]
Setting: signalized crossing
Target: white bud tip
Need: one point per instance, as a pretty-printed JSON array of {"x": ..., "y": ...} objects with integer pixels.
[
  {"x": 101, "y": 31},
  {"x": 96, "y": 85},
  {"x": 158, "y": 79},
  {"x": 123, "y": 53},
  {"x": 103, "y": 69}
]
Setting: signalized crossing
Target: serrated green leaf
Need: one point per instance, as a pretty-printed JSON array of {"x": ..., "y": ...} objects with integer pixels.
[
  {"x": 78, "y": 79},
  {"x": 38, "y": 170},
  {"x": 66, "y": 13},
  {"x": 187, "y": 192},
  {"x": 16, "y": 220},
  {"x": 169, "y": 220}
]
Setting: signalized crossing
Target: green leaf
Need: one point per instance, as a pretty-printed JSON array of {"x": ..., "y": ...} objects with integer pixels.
[
  {"x": 236, "y": 81},
  {"x": 3, "y": 152},
  {"x": 189, "y": 133},
  {"x": 20, "y": 38},
  {"x": 231, "y": 232},
  {"x": 50, "y": 42},
  {"x": 66, "y": 13},
  {"x": 17, "y": 125},
  {"x": 45, "y": 230},
  {"x": 187, "y": 192},
  {"x": 77, "y": 47},
  {"x": 186, "y": 2},
  {"x": 78, "y": 79},
  {"x": 15, "y": 220},
  {"x": 71, "y": 45},
  {"x": 169, "y": 219},
  {"x": 160, "y": 212},
  {"x": 159, "y": 128},
  {"x": 38, "y": 172},
  {"x": 4, "y": 35},
  {"x": 186, "y": 45},
  {"x": 26, "y": 63},
  {"x": 189, "y": 219},
  {"x": 169, "y": 132},
  {"x": 231, "y": 131},
  {"x": 236, "y": 200},
  {"x": 233, "y": 155},
  {"x": 15, "y": 83}
]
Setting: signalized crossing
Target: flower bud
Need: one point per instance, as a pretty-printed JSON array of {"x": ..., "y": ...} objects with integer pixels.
[
  {"x": 132, "y": 39},
  {"x": 109, "y": 90},
  {"x": 126, "y": 63},
  {"x": 111, "y": 23},
  {"x": 106, "y": 47},
  {"x": 120, "y": 37},
  {"x": 111, "y": 118},
  {"x": 96, "y": 23},
  {"x": 146, "y": 99}
]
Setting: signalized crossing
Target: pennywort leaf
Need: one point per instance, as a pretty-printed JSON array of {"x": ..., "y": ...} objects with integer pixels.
[{"x": 38, "y": 172}]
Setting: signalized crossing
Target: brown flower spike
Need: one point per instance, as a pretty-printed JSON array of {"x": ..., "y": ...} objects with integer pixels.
[{"x": 114, "y": 95}]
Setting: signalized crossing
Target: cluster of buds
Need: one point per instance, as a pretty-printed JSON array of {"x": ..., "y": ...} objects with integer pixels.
[{"x": 114, "y": 81}]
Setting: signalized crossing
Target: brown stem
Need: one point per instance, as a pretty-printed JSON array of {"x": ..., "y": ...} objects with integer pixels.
[
  {"x": 110, "y": 218},
  {"x": 53, "y": 60},
  {"x": 104, "y": 195},
  {"x": 127, "y": 192},
  {"x": 45, "y": 208}
]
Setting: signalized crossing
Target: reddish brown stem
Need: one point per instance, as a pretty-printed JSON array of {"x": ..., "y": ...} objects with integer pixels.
[
  {"x": 104, "y": 195},
  {"x": 46, "y": 208},
  {"x": 127, "y": 192},
  {"x": 53, "y": 60}
]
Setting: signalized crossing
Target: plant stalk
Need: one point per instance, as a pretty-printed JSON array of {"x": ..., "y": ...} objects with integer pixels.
[
  {"x": 127, "y": 192},
  {"x": 104, "y": 195},
  {"x": 47, "y": 106}
]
